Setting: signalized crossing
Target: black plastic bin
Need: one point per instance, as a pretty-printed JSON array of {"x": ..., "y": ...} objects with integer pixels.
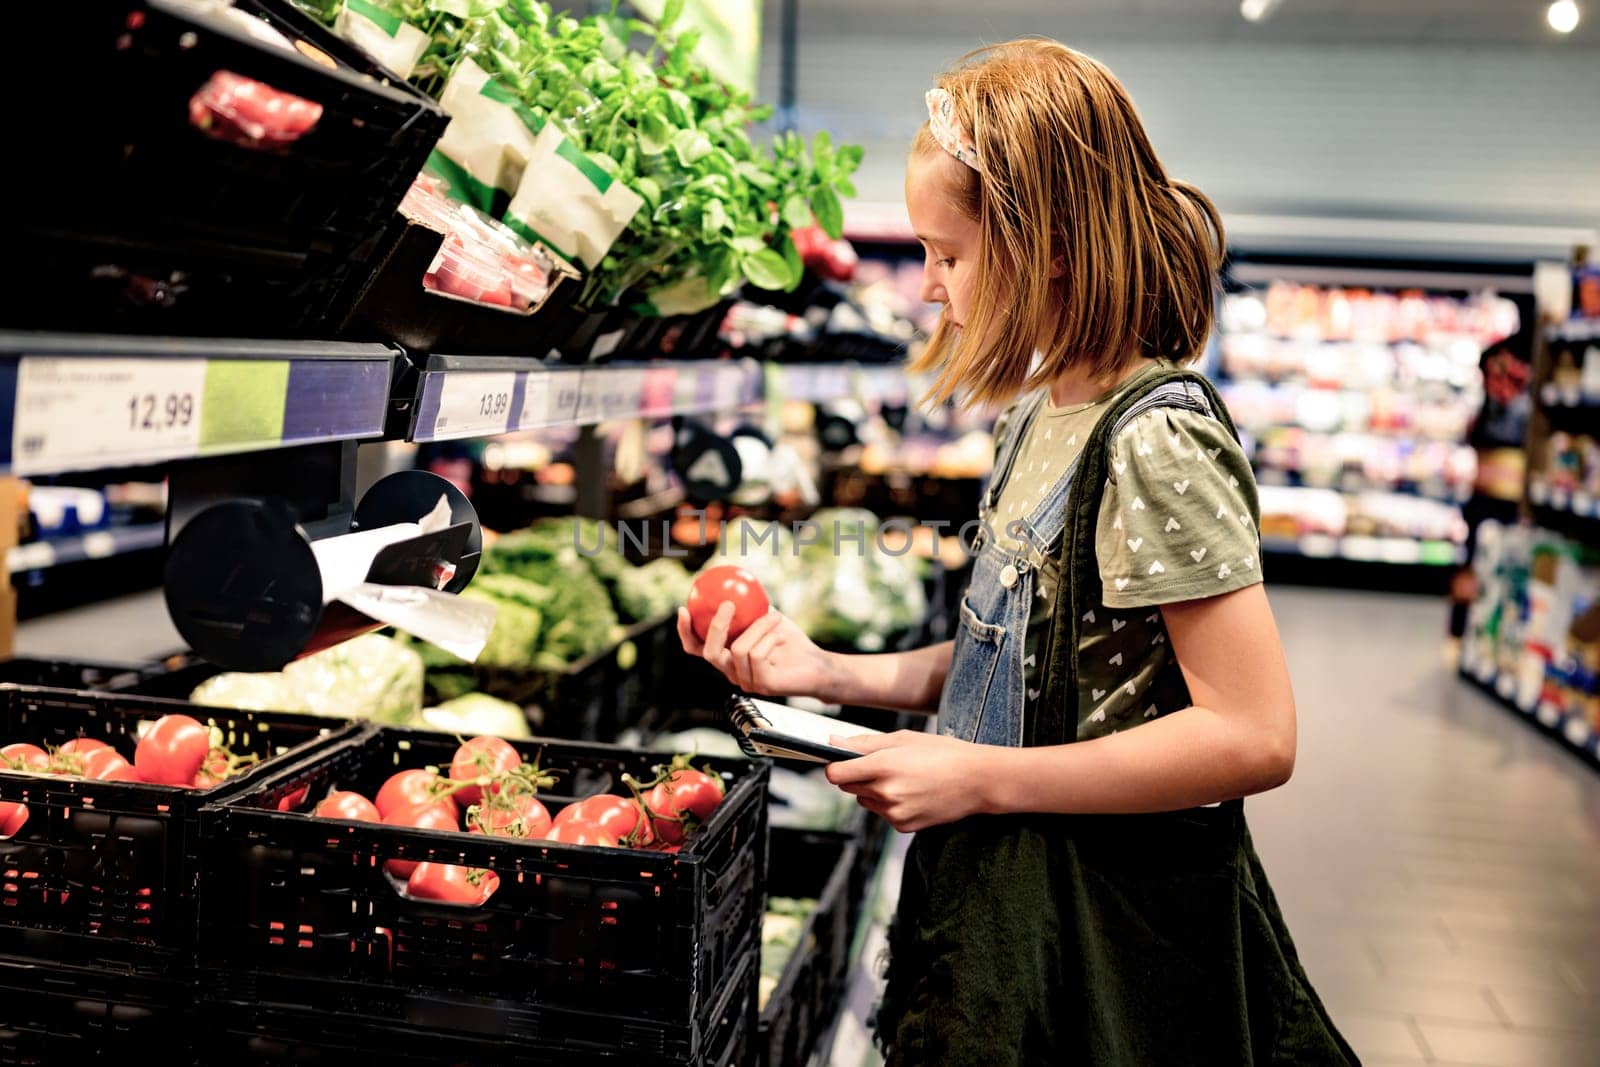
[
  {"x": 594, "y": 699},
  {"x": 103, "y": 874},
  {"x": 70, "y": 674},
  {"x": 57, "y": 1015},
  {"x": 137, "y": 220},
  {"x": 820, "y": 866},
  {"x": 580, "y": 952}
]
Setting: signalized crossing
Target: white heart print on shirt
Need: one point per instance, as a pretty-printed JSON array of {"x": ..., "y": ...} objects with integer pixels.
[
  {"x": 1098, "y": 716},
  {"x": 1122, "y": 583},
  {"x": 1135, "y": 543}
]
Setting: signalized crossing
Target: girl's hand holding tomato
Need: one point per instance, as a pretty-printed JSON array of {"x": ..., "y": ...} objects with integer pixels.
[{"x": 772, "y": 657}]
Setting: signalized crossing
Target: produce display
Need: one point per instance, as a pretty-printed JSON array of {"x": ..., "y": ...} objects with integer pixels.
[
  {"x": 488, "y": 789},
  {"x": 636, "y": 165},
  {"x": 842, "y": 587},
  {"x": 480, "y": 260},
  {"x": 369, "y": 677},
  {"x": 173, "y": 750},
  {"x": 781, "y": 928}
]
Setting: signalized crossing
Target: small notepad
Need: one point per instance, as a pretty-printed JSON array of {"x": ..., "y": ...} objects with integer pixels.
[{"x": 767, "y": 729}]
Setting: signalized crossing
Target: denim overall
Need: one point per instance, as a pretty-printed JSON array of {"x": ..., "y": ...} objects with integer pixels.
[
  {"x": 983, "y": 693},
  {"x": 1104, "y": 940}
]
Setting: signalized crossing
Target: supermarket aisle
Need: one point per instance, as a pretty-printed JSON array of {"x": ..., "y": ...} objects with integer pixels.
[{"x": 1439, "y": 862}]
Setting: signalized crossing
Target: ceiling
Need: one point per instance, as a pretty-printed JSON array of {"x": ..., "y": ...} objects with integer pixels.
[{"x": 1408, "y": 22}]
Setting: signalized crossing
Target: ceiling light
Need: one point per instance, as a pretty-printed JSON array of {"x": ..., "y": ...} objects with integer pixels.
[
  {"x": 1562, "y": 16},
  {"x": 1256, "y": 10}
]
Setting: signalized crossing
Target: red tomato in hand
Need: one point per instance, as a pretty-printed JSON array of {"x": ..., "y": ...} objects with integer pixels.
[
  {"x": 580, "y": 832},
  {"x": 479, "y": 757},
  {"x": 617, "y": 816},
  {"x": 714, "y": 585},
  {"x": 12, "y": 818},
  {"x": 506, "y": 815},
  {"x": 433, "y": 816},
  {"x": 452, "y": 884},
  {"x": 410, "y": 789},
  {"x": 25, "y": 757},
  {"x": 172, "y": 751},
  {"x": 687, "y": 796},
  {"x": 343, "y": 804}
]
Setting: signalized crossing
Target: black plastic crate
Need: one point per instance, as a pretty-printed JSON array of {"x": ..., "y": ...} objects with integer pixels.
[
  {"x": 147, "y": 223},
  {"x": 395, "y": 306},
  {"x": 594, "y": 699},
  {"x": 273, "y": 1034},
  {"x": 70, "y": 674},
  {"x": 579, "y": 950},
  {"x": 806, "y": 998},
  {"x": 50, "y": 1015},
  {"x": 103, "y": 873}
]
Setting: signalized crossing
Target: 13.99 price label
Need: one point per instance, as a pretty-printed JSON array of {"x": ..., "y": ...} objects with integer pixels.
[
  {"x": 73, "y": 413},
  {"x": 474, "y": 404}
]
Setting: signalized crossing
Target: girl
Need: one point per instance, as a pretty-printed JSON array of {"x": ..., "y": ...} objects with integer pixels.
[{"x": 1082, "y": 887}]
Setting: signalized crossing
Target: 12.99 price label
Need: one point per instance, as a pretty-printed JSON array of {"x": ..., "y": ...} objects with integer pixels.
[{"x": 73, "y": 413}]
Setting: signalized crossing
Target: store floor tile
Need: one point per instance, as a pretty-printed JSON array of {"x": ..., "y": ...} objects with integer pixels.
[{"x": 1458, "y": 847}]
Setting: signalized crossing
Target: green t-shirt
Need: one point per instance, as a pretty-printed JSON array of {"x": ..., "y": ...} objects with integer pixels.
[{"x": 1178, "y": 521}]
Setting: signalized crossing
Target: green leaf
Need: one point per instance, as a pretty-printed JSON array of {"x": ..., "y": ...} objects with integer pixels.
[
  {"x": 830, "y": 214},
  {"x": 756, "y": 176},
  {"x": 650, "y": 189},
  {"x": 681, "y": 108},
  {"x": 655, "y": 133},
  {"x": 849, "y": 158},
  {"x": 844, "y": 187},
  {"x": 748, "y": 245},
  {"x": 714, "y": 221},
  {"x": 670, "y": 15},
  {"x": 465, "y": 9},
  {"x": 822, "y": 144},
  {"x": 690, "y": 146},
  {"x": 796, "y": 265},
  {"x": 796, "y": 211},
  {"x": 766, "y": 269}
]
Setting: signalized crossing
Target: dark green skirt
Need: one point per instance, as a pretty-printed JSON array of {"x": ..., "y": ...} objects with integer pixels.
[{"x": 1138, "y": 940}]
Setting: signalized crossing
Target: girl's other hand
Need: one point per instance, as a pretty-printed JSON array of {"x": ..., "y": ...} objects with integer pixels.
[{"x": 915, "y": 780}]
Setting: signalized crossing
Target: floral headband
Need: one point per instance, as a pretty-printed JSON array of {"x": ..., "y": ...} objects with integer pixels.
[{"x": 947, "y": 131}]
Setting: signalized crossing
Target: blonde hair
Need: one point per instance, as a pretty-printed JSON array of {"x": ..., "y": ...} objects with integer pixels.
[{"x": 1088, "y": 250}]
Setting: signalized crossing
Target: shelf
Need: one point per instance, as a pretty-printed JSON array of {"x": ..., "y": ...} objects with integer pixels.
[
  {"x": 1556, "y": 399},
  {"x": 1573, "y": 330},
  {"x": 97, "y": 544},
  {"x": 820, "y": 382},
  {"x": 73, "y": 402},
  {"x": 1576, "y": 514},
  {"x": 468, "y": 396},
  {"x": 1352, "y": 482},
  {"x": 1402, "y": 551},
  {"x": 1572, "y": 732}
]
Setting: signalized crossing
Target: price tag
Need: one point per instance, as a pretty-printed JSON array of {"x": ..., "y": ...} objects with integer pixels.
[
  {"x": 686, "y": 390},
  {"x": 73, "y": 412},
  {"x": 658, "y": 390},
  {"x": 474, "y": 404},
  {"x": 729, "y": 388},
  {"x": 619, "y": 392},
  {"x": 566, "y": 397},
  {"x": 535, "y": 410}
]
